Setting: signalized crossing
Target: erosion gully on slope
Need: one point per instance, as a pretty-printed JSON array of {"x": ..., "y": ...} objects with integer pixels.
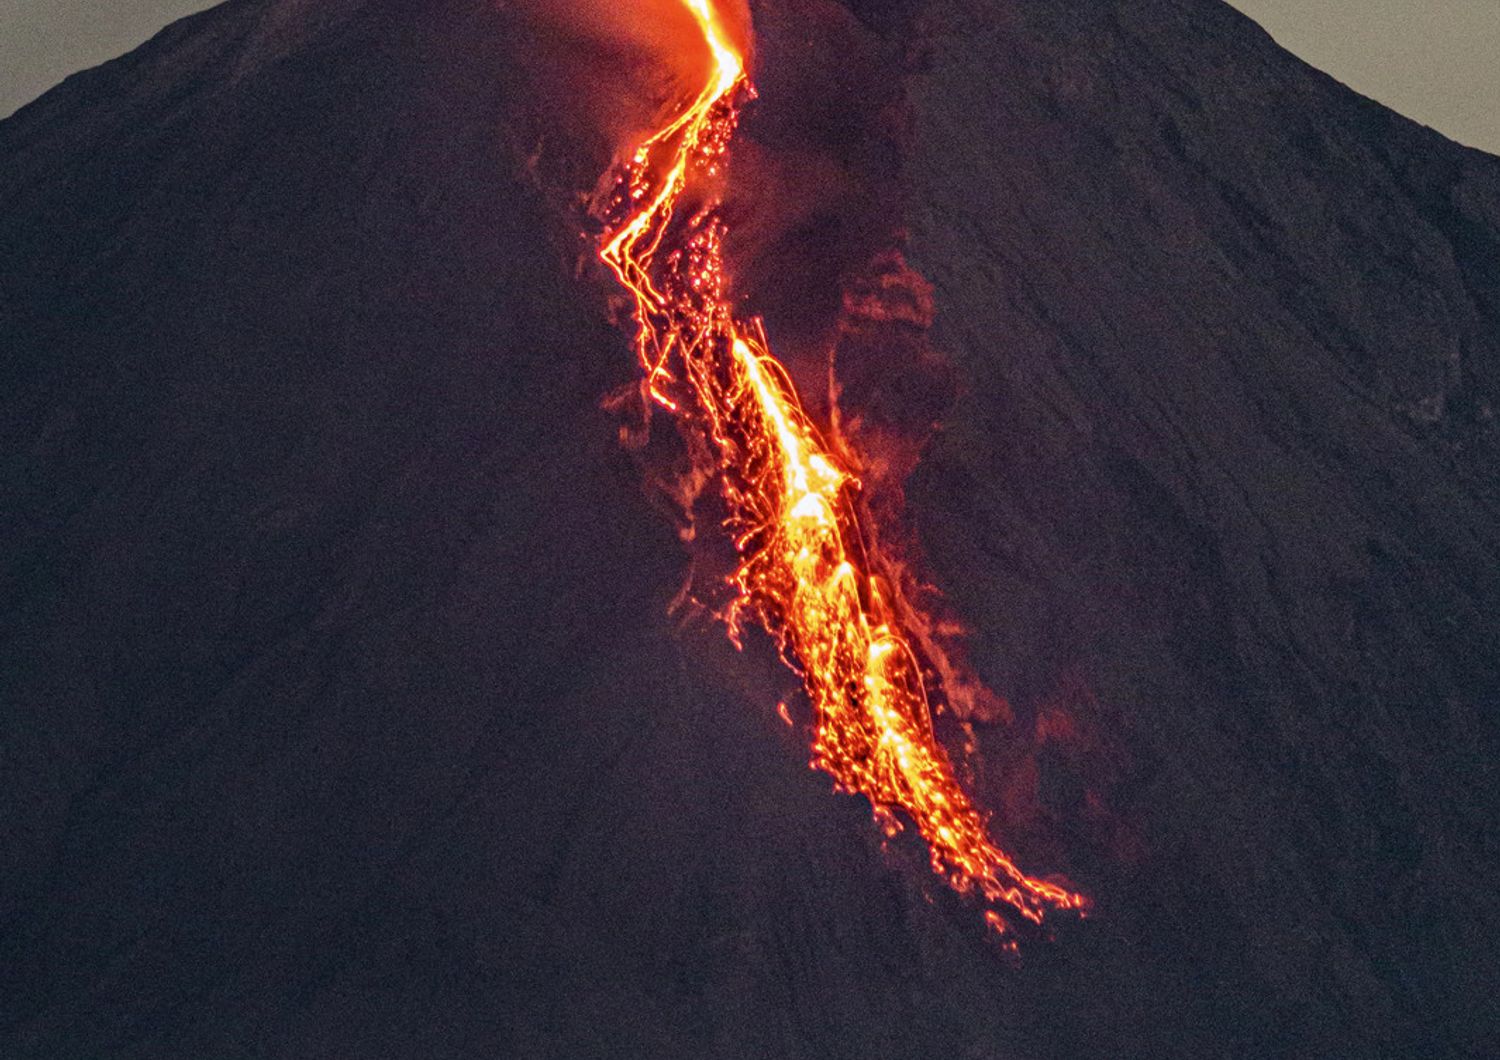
[{"x": 803, "y": 571}]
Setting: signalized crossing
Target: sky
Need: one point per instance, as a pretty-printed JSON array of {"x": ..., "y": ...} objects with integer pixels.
[
  {"x": 43, "y": 41},
  {"x": 1437, "y": 61}
]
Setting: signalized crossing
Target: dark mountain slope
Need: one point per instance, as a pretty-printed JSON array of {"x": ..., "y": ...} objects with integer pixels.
[
  {"x": 342, "y": 715},
  {"x": 1232, "y": 337}
]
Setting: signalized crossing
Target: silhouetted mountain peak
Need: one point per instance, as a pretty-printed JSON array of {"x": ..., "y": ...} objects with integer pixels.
[{"x": 344, "y": 714}]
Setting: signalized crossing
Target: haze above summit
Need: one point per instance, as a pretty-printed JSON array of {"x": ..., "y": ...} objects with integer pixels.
[{"x": 1432, "y": 60}]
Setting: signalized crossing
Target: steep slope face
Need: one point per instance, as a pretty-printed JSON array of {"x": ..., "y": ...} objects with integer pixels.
[
  {"x": 343, "y": 712},
  {"x": 1231, "y": 335}
]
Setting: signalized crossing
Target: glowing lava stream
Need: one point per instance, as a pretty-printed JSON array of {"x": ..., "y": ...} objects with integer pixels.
[{"x": 802, "y": 559}]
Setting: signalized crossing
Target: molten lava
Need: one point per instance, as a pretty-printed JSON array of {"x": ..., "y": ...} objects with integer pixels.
[{"x": 803, "y": 571}]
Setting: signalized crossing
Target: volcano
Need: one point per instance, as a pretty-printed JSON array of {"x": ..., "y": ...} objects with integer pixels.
[{"x": 351, "y": 703}]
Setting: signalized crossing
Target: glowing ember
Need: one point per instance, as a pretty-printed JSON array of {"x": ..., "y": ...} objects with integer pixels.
[{"x": 803, "y": 572}]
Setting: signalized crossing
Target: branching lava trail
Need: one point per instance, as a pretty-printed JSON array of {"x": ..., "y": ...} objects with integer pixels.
[{"x": 803, "y": 572}]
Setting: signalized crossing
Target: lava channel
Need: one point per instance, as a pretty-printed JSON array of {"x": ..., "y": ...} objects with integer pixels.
[{"x": 802, "y": 570}]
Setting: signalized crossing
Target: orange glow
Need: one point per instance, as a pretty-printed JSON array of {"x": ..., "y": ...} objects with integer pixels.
[{"x": 803, "y": 570}]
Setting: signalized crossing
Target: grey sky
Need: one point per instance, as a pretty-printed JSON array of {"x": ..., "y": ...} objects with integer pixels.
[
  {"x": 43, "y": 41},
  {"x": 1437, "y": 61}
]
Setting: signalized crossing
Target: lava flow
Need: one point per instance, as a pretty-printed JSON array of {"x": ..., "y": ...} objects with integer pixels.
[{"x": 803, "y": 570}]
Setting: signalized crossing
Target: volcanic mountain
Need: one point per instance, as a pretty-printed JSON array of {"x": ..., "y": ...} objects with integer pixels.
[{"x": 350, "y": 703}]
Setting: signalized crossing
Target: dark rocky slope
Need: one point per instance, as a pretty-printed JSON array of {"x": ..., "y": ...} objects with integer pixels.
[{"x": 342, "y": 713}]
